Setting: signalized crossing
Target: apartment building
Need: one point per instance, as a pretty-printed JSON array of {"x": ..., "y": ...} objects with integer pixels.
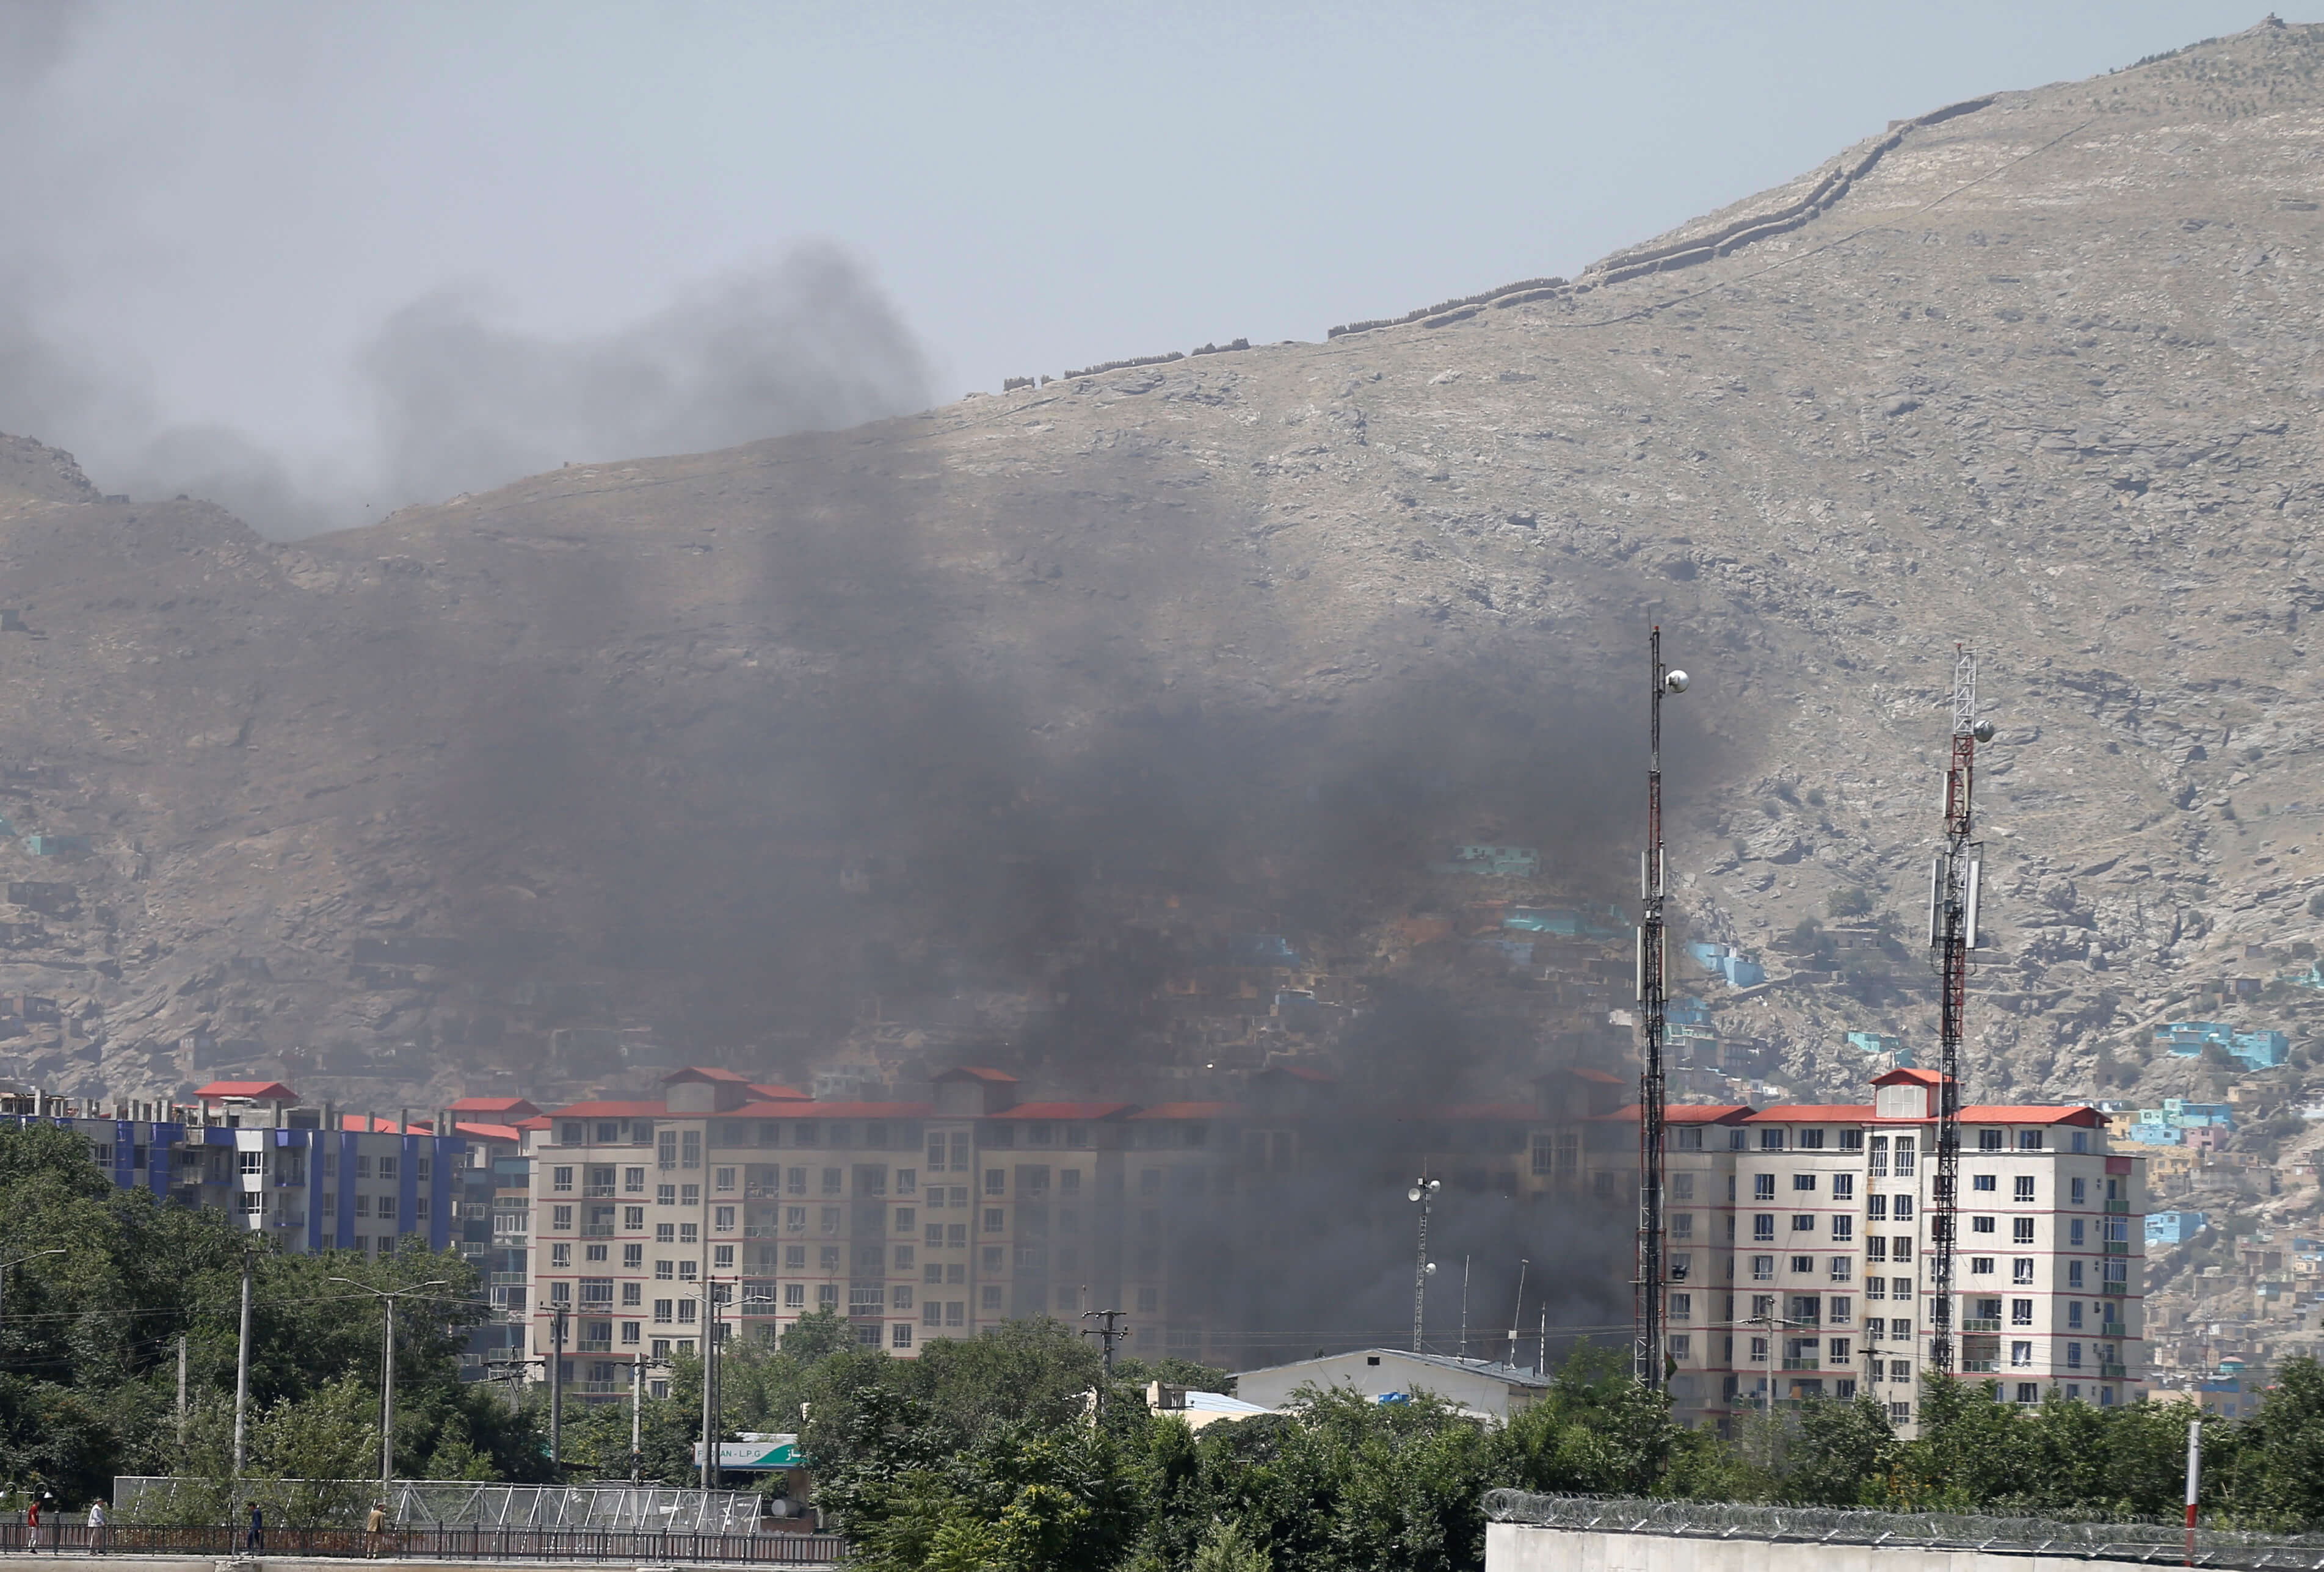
[
  {"x": 309, "y": 1179},
  {"x": 1799, "y": 1245}
]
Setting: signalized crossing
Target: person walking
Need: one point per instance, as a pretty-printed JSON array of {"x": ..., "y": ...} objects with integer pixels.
[
  {"x": 375, "y": 1528},
  {"x": 96, "y": 1527},
  {"x": 256, "y": 1539},
  {"x": 33, "y": 1523}
]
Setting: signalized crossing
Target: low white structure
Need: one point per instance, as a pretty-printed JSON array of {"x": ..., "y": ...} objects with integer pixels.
[{"x": 1391, "y": 1374}]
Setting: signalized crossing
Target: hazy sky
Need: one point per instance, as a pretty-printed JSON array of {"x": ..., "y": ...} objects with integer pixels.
[{"x": 219, "y": 204}]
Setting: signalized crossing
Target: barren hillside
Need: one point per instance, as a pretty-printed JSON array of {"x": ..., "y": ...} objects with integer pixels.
[{"x": 990, "y": 727}]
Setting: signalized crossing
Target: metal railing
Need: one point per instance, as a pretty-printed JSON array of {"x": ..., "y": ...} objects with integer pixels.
[
  {"x": 453, "y": 1544},
  {"x": 2000, "y": 1536}
]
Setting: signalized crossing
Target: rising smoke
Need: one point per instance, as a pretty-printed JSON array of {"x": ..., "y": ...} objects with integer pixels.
[{"x": 452, "y": 397}]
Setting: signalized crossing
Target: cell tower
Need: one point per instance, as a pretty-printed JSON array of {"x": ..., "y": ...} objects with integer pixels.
[
  {"x": 1646, "y": 1355},
  {"x": 1952, "y": 934}
]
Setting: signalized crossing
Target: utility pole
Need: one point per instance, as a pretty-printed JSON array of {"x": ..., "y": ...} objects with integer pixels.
[
  {"x": 1646, "y": 1360},
  {"x": 2194, "y": 1479},
  {"x": 1464, "y": 1307},
  {"x": 242, "y": 1372},
  {"x": 181, "y": 1389},
  {"x": 555, "y": 1385},
  {"x": 1516, "y": 1315},
  {"x": 1952, "y": 934},
  {"x": 388, "y": 1296},
  {"x": 637, "y": 1416},
  {"x": 709, "y": 1382},
  {"x": 1424, "y": 1190},
  {"x": 1110, "y": 1329}
]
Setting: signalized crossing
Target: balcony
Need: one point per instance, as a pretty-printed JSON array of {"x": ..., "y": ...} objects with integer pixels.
[
  {"x": 2116, "y": 1289},
  {"x": 1981, "y": 1366},
  {"x": 605, "y": 1191},
  {"x": 1981, "y": 1324},
  {"x": 761, "y": 1231},
  {"x": 597, "y": 1230},
  {"x": 594, "y": 1346},
  {"x": 2120, "y": 1208},
  {"x": 2114, "y": 1371},
  {"x": 2117, "y": 1247},
  {"x": 1793, "y": 1362}
]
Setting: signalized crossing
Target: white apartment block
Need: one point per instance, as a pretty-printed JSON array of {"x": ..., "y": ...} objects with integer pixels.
[{"x": 1799, "y": 1251}]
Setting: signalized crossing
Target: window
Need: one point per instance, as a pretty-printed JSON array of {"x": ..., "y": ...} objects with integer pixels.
[
  {"x": 1900, "y": 1247},
  {"x": 1762, "y": 1226},
  {"x": 664, "y": 1271},
  {"x": 560, "y": 1180},
  {"x": 559, "y": 1293},
  {"x": 1681, "y": 1307},
  {"x": 1989, "y": 1140},
  {"x": 2074, "y": 1314},
  {"x": 2073, "y": 1274},
  {"x": 665, "y": 1195},
  {"x": 593, "y": 1253},
  {"x": 904, "y": 1258},
  {"x": 1981, "y": 1265},
  {"x": 1843, "y": 1310},
  {"x": 686, "y": 1270},
  {"x": 795, "y": 1296},
  {"x": 721, "y": 1180},
  {"x": 995, "y": 1220},
  {"x": 723, "y": 1219},
  {"x": 989, "y": 1297},
  {"x": 1759, "y": 1350},
  {"x": 1899, "y": 1208},
  {"x": 1801, "y": 1263},
  {"x": 1763, "y": 1187},
  {"x": 1771, "y": 1140},
  {"x": 633, "y": 1181},
  {"x": 1843, "y": 1228},
  {"x": 1682, "y": 1346},
  {"x": 1879, "y": 1160},
  {"x": 1851, "y": 1140},
  {"x": 1843, "y": 1187},
  {"x": 2021, "y": 1312},
  {"x": 386, "y": 1208},
  {"x": 661, "y": 1312},
  {"x": 2081, "y": 1192},
  {"x": 1875, "y": 1288},
  {"x": 1838, "y": 1355},
  {"x": 1803, "y": 1182},
  {"x": 1763, "y": 1268},
  {"x": 688, "y": 1233},
  {"x": 1900, "y": 1413},
  {"x": 689, "y": 1196},
  {"x": 2029, "y": 1140},
  {"x": 685, "y": 1310},
  {"x": 2073, "y": 1355},
  {"x": 363, "y": 1208},
  {"x": 2021, "y": 1269},
  {"x": 1982, "y": 1182},
  {"x": 2022, "y": 1191},
  {"x": 2074, "y": 1232},
  {"x": 665, "y": 1233},
  {"x": 1876, "y": 1207},
  {"x": 1842, "y": 1269},
  {"x": 1905, "y": 1148},
  {"x": 722, "y": 1257},
  {"x": 2020, "y": 1230},
  {"x": 690, "y": 1142},
  {"x": 2021, "y": 1357},
  {"x": 1900, "y": 1288},
  {"x": 631, "y": 1293},
  {"x": 1980, "y": 1225},
  {"x": 1803, "y": 1222}
]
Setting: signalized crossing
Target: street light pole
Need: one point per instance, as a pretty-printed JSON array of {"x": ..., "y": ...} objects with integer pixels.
[{"x": 387, "y": 1369}]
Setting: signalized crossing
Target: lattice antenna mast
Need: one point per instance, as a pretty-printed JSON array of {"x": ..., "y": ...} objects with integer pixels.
[
  {"x": 1952, "y": 934},
  {"x": 1646, "y": 1360}
]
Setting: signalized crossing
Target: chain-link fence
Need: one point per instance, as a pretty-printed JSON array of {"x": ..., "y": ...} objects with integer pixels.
[
  {"x": 440, "y": 1503},
  {"x": 2000, "y": 1536}
]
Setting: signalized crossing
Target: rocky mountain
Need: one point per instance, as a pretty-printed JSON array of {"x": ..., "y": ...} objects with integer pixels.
[{"x": 1024, "y": 725}]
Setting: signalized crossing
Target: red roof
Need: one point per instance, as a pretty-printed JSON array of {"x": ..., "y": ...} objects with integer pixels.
[
  {"x": 1812, "y": 1114},
  {"x": 1917, "y": 1077},
  {"x": 1187, "y": 1111},
  {"x": 538, "y": 1122},
  {"x": 1706, "y": 1113},
  {"x": 363, "y": 1124},
  {"x": 977, "y": 1073},
  {"x": 2020, "y": 1114},
  {"x": 1581, "y": 1073},
  {"x": 508, "y": 1133},
  {"x": 779, "y": 1093},
  {"x": 1523, "y": 1113},
  {"x": 1065, "y": 1111},
  {"x": 704, "y": 1072},
  {"x": 611, "y": 1110},
  {"x": 264, "y": 1092},
  {"x": 514, "y": 1107}
]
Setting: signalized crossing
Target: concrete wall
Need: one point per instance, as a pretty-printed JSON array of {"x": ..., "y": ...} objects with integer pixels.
[{"x": 1523, "y": 1547}]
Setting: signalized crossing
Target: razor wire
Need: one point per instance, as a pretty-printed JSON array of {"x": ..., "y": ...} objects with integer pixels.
[{"x": 1940, "y": 1530}]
